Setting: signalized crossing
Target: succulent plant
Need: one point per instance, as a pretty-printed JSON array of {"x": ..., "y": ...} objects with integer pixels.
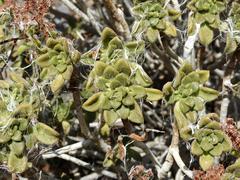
[
  {"x": 207, "y": 14},
  {"x": 61, "y": 110},
  {"x": 117, "y": 82},
  {"x": 56, "y": 60},
  {"x": 233, "y": 38},
  {"x": 232, "y": 172},
  {"x": 188, "y": 95},
  {"x": 153, "y": 17},
  {"x": 210, "y": 141},
  {"x": 19, "y": 104}
]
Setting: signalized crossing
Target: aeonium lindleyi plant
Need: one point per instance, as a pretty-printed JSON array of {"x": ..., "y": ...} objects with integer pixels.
[
  {"x": 233, "y": 30},
  {"x": 207, "y": 14},
  {"x": 56, "y": 60},
  {"x": 153, "y": 17},
  {"x": 117, "y": 82},
  {"x": 188, "y": 96},
  {"x": 19, "y": 105},
  {"x": 210, "y": 142}
]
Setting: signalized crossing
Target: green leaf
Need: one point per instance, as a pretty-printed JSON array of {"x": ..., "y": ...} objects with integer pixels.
[
  {"x": 68, "y": 73},
  {"x": 191, "y": 26},
  {"x": 43, "y": 60},
  {"x": 45, "y": 134},
  {"x": 142, "y": 78},
  {"x": 17, "y": 136},
  {"x": 66, "y": 127},
  {"x": 135, "y": 46},
  {"x": 105, "y": 130},
  {"x": 196, "y": 148},
  {"x": 57, "y": 84},
  {"x": 208, "y": 94},
  {"x": 217, "y": 150},
  {"x": 153, "y": 94},
  {"x": 17, "y": 164},
  {"x": 203, "y": 75},
  {"x": 109, "y": 72},
  {"x": 22, "y": 49},
  {"x": 99, "y": 67},
  {"x": 51, "y": 42},
  {"x": 17, "y": 147},
  {"x": 123, "y": 78},
  {"x": 123, "y": 112},
  {"x": 128, "y": 100},
  {"x": 110, "y": 117},
  {"x": 170, "y": 29},
  {"x": 106, "y": 36},
  {"x": 137, "y": 91},
  {"x": 94, "y": 103},
  {"x": 231, "y": 44},
  {"x": 122, "y": 66},
  {"x": 206, "y": 144},
  {"x": 136, "y": 115},
  {"x": 206, "y": 161},
  {"x": 75, "y": 56},
  {"x": 180, "y": 117},
  {"x": 18, "y": 79},
  {"x": 152, "y": 34},
  {"x": 205, "y": 35}
]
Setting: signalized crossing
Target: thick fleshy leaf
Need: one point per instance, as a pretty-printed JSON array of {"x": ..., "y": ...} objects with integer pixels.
[
  {"x": 17, "y": 136},
  {"x": 109, "y": 72},
  {"x": 196, "y": 148},
  {"x": 231, "y": 44},
  {"x": 43, "y": 60},
  {"x": 51, "y": 42},
  {"x": 170, "y": 29},
  {"x": 57, "y": 84},
  {"x": 17, "y": 147},
  {"x": 206, "y": 161},
  {"x": 136, "y": 115},
  {"x": 68, "y": 73},
  {"x": 99, "y": 67},
  {"x": 75, "y": 56},
  {"x": 128, "y": 100},
  {"x": 22, "y": 48},
  {"x": 123, "y": 112},
  {"x": 105, "y": 130},
  {"x": 206, "y": 144},
  {"x": 123, "y": 78},
  {"x": 17, "y": 164},
  {"x": 66, "y": 127},
  {"x": 135, "y": 46},
  {"x": 122, "y": 66},
  {"x": 18, "y": 79},
  {"x": 152, "y": 34},
  {"x": 208, "y": 94},
  {"x": 5, "y": 136},
  {"x": 191, "y": 26},
  {"x": 153, "y": 94},
  {"x": 142, "y": 78},
  {"x": 110, "y": 117},
  {"x": 217, "y": 150},
  {"x": 203, "y": 75},
  {"x": 205, "y": 35},
  {"x": 93, "y": 103},
  {"x": 107, "y": 35},
  {"x": 45, "y": 134},
  {"x": 137, "y": 91},
  {"x": 180, "y": 117}
]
